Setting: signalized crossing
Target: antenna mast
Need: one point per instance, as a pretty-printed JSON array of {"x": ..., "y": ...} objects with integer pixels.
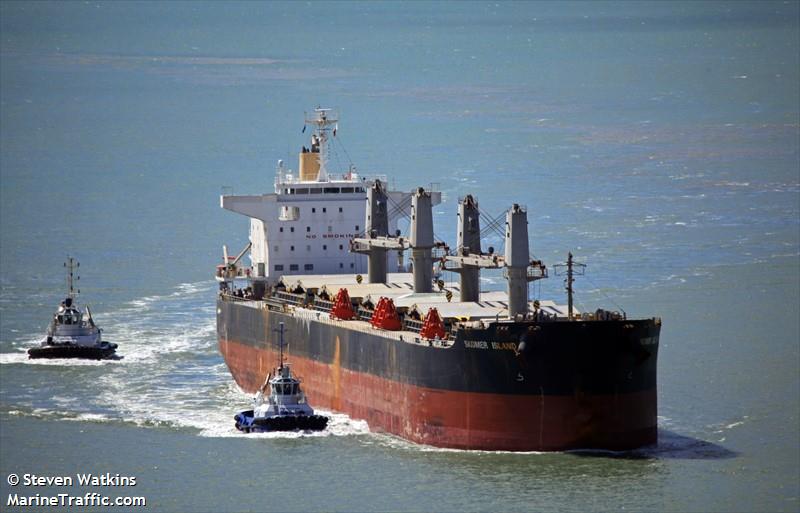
[
  {"x": 280, "y": 330},
  {"x": 71, "y": 264},
  {"x": 324, "y": 122},
  {"x": 572, "y": 268}
]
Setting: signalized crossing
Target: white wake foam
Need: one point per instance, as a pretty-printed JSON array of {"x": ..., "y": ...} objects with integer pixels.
[{"x": 170, "y": 374}]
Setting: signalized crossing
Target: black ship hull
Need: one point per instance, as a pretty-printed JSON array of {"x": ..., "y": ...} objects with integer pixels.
[{"x": 517, "y": 386}]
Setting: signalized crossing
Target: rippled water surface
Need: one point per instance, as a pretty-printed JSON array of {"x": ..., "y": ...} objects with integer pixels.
[{"x": 656, "y": 141}]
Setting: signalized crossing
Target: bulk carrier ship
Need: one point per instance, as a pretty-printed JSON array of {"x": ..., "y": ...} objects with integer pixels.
[{"x": 434, "y": 362}]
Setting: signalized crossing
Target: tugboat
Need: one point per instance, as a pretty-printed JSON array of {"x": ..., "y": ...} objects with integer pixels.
[
  {"x": 284, "y": 409},
  {"x": 72, "y": 333}
]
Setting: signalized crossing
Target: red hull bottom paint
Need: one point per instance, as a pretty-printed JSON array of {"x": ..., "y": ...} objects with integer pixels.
[{"x": 461, "y": 420}]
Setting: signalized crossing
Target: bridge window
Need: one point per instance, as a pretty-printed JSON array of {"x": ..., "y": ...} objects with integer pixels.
[
  {"x": 308, "y": 267},
  {"x": 347, "y": 189},
  {"x": 279, "y": 267},
  {"x": 302, "y": 191},
  {"x": 331, "y": 190},
  {"x": 315, "y": 191},
  {"x": 293, "y": 267}
]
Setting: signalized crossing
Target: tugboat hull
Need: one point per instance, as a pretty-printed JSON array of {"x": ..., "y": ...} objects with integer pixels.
[
  {"x": 100, "y": 352},
  {"x": 246, "y": 422}
]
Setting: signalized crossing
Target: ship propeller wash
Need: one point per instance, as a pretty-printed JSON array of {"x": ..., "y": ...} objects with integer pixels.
[{"x": 437, "y": 363}]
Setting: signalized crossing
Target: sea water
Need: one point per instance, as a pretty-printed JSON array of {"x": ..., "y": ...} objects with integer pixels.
[{"x": 658, "y": 142}]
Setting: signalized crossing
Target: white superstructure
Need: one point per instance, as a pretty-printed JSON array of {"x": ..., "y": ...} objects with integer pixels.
[
  {"x": 69, "y": 325},
  {"x": 306, "y": 224}
]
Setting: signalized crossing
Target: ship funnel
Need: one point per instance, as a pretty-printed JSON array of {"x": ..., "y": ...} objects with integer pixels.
[
  {"x": 377, "y": 225},
  {"x": 422, "y": 240},
  {"x": 309, "y": 165},
  {"x": 517, "y": 260},
  {"x": 469, "y": 242}
]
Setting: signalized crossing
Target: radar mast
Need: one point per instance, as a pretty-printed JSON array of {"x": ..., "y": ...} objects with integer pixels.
[
  {"x": 71, "y": 264},
  {"x": 325, "y": 123}
]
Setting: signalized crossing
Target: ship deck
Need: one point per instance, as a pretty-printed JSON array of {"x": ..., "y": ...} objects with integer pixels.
[
  {"x": 492, "y": 307},
  {"x": 399, "y": 287}
]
